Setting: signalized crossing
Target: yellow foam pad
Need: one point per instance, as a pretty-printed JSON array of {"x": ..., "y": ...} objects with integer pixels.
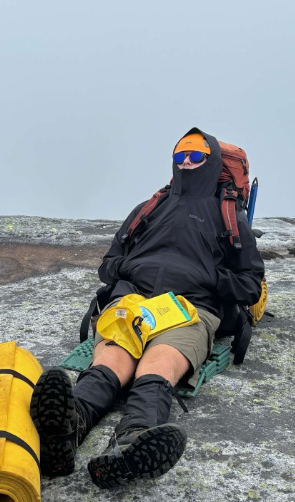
[
  {"x": 19, "y": 472},
  {"x": 258, "y": 309}
]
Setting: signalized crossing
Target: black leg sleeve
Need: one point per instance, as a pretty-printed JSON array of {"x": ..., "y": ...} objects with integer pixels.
[
  {"x": 96, "y": 391},
  {"x": 148, "y": 403}
]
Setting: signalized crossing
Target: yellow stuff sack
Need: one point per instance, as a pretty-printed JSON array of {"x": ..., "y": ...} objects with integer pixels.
[{"x": 135, "y": 320}]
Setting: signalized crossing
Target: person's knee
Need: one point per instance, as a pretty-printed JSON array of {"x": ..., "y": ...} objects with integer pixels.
[
  {"x": 117, "y": 359},
  {"x": 163, "y": 360}
]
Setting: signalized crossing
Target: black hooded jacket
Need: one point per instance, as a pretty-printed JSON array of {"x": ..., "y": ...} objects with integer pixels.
[{"x": 182, "y": 250}]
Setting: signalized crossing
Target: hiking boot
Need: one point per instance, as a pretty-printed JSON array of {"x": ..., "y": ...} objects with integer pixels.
[
  {"x": 59, "y": 421},
  {"x": 138, "y": 453}
]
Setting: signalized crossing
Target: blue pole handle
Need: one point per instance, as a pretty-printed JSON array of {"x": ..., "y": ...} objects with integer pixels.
[{"x": 252, "y": 201}]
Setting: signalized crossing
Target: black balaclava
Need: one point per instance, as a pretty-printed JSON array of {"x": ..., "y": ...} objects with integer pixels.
[{"x": 201, "y": 181}]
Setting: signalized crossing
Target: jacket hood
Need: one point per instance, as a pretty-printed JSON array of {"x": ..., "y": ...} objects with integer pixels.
[{"x": 202, "y": 181}]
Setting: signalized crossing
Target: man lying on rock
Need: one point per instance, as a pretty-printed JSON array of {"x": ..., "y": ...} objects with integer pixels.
[{"x": 180, "y": 251}]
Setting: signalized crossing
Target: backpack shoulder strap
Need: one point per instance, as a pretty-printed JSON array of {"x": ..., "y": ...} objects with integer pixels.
[
  {"x": 145, "y": 211},
  {"x": 86, "y": 319},
  {"x": 242, "y": 336},
  {"x": 97, "y": 303},
  {"x": 228, "y": 198}
]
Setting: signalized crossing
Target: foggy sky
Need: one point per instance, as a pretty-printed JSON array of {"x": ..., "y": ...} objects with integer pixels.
[{"x": 94, "y": 95}]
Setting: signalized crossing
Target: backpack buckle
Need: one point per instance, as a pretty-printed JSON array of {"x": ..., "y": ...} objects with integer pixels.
[
  {"x": 230, "y": 194},
  {"x": 124, "y": 238},
  {"x": 166, "y": 187},
  {"x": 237, "y": 243},
  {"x": 226, "y": 233}
]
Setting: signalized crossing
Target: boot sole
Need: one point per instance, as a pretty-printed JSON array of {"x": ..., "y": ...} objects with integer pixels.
[
  {"x": 53, "y": 411},
  {"x": 153, "y": 453}
]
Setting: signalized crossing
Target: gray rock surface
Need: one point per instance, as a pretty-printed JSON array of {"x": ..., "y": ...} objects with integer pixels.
[
  {"x": 34, "y": 230},
  {"x": 241, "y": 424}
]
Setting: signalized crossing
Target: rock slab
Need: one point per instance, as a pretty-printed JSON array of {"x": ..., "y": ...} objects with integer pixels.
[{"x": 241, "y": 424}]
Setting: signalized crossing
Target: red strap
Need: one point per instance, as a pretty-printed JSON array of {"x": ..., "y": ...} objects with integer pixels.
[
  {"x": 146, "y": 210},
  {"x": 228, "y": 209}
]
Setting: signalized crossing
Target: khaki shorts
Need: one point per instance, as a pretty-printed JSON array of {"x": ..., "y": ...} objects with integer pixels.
[{"x": 195, "y": 342}]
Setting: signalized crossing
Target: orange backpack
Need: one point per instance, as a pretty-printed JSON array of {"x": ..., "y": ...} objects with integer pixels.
[{"x": 233, "y": 188}]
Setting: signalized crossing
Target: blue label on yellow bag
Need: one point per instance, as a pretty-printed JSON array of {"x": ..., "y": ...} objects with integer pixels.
[{"x": 148, "y": 317}]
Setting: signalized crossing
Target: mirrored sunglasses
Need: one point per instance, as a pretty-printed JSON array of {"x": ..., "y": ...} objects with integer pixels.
[{"x": 194, "y": 156}]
